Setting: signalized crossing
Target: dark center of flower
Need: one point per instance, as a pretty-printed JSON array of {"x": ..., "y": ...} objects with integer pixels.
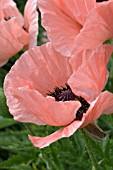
[
  {"x": 24, "y": 27},
  {"x": 8, "y": 18},
  {"x": 66, "y": 94},
  {"x": 101, "y": 0}
]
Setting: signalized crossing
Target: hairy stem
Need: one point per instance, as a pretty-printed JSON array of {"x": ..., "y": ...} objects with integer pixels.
[{"x": 89, "y": 149}]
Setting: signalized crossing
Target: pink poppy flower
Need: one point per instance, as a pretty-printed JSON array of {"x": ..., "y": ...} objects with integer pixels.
[
  {"x": 45, "y": 88},
  {"x": 98, "y": 27},
  {"x": 17, "y": 31},
  {"x": 63, "y": 21}
]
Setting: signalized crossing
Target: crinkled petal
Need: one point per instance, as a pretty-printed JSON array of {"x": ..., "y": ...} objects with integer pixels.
[
  {"x": 67, "y": 131},
  {"x": 27, "y": 105},
  {"x": 81, "y": 57},
  {"x": 81, "y": 9},
  {"x": 8, "y": 9},
  {"x": 27, "y": 84},
  {"x": 63, "y": 21},
  {"x": 17, "y": 106},
  {"x": 102, "y": 105},
  {"x": 62, "y": 113},
  {"x": 97, "y": 28},
  {"x": 44, "y": 68},
  {"x": 13, "y": 38},
  {"x": 77, "y": 10},
  {"x": 108, "y": 103},
  {"x": 61, "y": 28},
  {"x": 91, "y": 77},
  {"x": 31, "y": 22}
]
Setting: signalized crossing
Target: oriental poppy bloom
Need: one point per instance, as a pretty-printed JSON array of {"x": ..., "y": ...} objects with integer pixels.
[
  {"x": 44, "y": 87},
  {"x": 98, "y": 27},
  {"x": 63, "y": 21},
  {"x": 16, "y": 31}
]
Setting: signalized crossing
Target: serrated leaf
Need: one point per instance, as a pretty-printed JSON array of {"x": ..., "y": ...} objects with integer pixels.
[{"x": 16, "y": 160}]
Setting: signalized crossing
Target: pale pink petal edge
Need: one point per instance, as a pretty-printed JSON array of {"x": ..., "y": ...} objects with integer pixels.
[
  {"x": 67, "y": 131},
  {"x": 31, "y": 22}
]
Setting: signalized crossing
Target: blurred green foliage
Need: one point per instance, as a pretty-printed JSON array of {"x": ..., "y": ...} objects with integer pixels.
[{"x": 17, "y": 152}]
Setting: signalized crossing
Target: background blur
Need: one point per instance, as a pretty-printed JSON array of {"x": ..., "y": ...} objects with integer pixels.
[{"x": 17, "y": 152}]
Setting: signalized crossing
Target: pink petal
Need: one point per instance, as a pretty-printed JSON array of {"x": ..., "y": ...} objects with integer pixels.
[
  {"x": 98, "y": 27},
  {"x": 77, "y": 10},
  {"x": 27, "y": 84},
  {"x": 82, "y": 8},
  {"x": 31, "y": 21},
  {"x": 17, "y": 107},
  {"x": 8, "y": 9},
  {"x": 103, "y": 105},
  {"x": 61, "y": 28},
  {"x": 89, "y": 80},
  {"x": 67, "y": 131},
  {"x": 27, "y": 105},
  {"x": 2, "y": 63},
  {"x": 108, "y": 103},
  {"x": 13, "y": 38},
  {"x": 63, "y": 21},
  {"x": 62, "y": 113},
  {"x": 80, "y": 58},
  {"x": 44, "y": 68}
]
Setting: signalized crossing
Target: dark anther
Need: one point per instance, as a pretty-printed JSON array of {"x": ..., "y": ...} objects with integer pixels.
[
  {"x": 63, "y": 94},
  {"x": 6, "y": 19},
  {"x": 66, "y": 94},
  {"x": 79, "y": 113},
  {"x": 25, "y": 28},
  {"x": 82, "y": 109},
  {"x": 101, "y": 0}
]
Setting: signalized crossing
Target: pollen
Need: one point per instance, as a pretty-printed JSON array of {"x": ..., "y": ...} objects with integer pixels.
[{"x": 66, "y": 94}]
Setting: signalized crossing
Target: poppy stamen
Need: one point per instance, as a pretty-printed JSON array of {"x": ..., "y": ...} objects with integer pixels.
[
  {"x": 101, "y": 0},
  {"x": 66, "y": 94},
  {"x": 6, "y": 19}
]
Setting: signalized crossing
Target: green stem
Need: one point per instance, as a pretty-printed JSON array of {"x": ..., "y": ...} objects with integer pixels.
[{"x": 89, "y": 148}]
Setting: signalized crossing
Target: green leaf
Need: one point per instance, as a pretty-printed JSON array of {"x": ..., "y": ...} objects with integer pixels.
[
  {"x": 5, "y": 122},
  {"x": 3, "y": 72},
  {"x": 4, "y": 111},
  {"x": 16, "y": 160}
]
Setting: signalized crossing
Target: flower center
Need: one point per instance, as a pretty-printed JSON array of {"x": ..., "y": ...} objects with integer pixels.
[
  {"x": 66, "y": 94},
  {"x": 25, "y": 29},
  {"x": 8, "y": 18},
  {"x": 101, "y": 0}
]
